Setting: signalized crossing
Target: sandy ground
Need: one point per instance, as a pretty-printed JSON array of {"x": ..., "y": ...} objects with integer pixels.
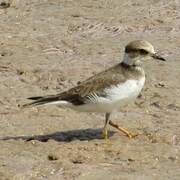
[{"x": 48, "y": 46}]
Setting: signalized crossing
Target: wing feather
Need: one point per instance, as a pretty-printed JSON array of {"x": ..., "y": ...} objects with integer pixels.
[{"x": 80, "y": 94}]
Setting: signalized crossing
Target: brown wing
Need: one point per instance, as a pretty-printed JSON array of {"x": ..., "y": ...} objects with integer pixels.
[
  {"x": 95, "y": 84},
  {"x": 100, "y": 81}
]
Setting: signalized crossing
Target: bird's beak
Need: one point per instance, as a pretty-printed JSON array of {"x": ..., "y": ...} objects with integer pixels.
[{"x": 158, "y": 57}]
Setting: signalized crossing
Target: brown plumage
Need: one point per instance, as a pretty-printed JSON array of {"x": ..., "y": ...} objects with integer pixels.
[
  {"x": 139, "y": 45},
  {"x": 95, "y": 84}
]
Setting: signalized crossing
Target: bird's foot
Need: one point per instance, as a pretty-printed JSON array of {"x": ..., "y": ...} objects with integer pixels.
[
  {"x": 124, "y": 131},
  {"x": 130, "y": 135}
]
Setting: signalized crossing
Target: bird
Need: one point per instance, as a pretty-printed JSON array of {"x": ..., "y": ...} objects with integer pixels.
[{"x": 107, "y": 91}]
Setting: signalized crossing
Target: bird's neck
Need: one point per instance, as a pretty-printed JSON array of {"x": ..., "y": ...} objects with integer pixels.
[
  {"x": 132, "y": 62},
  {"x": 132, "y": 69}
]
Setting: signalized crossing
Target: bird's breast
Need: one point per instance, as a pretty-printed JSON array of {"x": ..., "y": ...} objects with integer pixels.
[{"x": 126, "y": 91}]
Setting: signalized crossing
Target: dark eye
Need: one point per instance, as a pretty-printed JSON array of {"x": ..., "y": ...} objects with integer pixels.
[
  {"x": 143, "y": 52},
  {"x": 127, "y": 50}
]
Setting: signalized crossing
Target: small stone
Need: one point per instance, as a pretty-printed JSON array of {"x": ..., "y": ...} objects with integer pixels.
[
  {"x": 160, "y": 85},
  {"x": 131, "y": 160},
  {"x": 33, "y": 142},
  {"x": 53, "y": 171},
  {"x": 52, "y": 157},
  {"x": 4, "y": 5},
  {"x": 174, "y": 140},
  {"x": 75, "y": 15},
  {"x": 172, "y": 158},
  {"x": 156, "y": 104}
]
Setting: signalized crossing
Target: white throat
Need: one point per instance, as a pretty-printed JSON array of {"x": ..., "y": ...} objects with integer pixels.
[
  {"x": 127, "y": 60},
  {"x": 131, "y": 61}
]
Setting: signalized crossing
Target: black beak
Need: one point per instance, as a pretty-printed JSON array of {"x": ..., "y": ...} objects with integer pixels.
[{"x": 158, "y": 57}]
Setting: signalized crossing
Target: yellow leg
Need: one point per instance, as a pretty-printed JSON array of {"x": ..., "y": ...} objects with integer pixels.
[
  {"x": 105, "y": 131},
  {"x": 124, "y": 131}
]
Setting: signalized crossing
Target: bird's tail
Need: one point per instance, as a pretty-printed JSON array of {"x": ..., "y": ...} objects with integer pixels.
[{"x": 38, "y": 101}]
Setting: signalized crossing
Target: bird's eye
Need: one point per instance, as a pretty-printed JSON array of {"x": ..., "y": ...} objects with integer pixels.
[
  {"x": 127, "y": 50},
  {"x": 143, "y": 52}
]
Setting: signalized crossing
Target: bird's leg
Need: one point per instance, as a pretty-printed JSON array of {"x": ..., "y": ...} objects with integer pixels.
[
  {"x": 125, "y": 131},
  {"x": 105, "y": 131}
]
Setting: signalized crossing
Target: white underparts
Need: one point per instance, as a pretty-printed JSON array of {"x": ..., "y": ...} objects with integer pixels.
[{"x": 117, "y": 96}]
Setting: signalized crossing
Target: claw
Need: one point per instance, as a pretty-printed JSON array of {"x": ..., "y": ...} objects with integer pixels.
[{"x": 131, "y": 136}]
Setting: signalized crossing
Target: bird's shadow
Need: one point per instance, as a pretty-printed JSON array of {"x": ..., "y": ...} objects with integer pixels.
[{"x": 64, "y": 136}]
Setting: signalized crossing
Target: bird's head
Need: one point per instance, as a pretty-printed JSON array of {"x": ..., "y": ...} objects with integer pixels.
[{"x": 139, "y": 50}]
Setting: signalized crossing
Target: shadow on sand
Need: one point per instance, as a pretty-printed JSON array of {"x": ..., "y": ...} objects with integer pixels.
[{"x": 64, "y": 136}]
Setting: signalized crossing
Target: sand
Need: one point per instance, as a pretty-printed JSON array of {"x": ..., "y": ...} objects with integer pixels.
[{"x": 48, "y": 46}]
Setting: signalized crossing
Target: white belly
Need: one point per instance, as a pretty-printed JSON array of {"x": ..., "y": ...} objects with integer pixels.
[{"x": 117, "y": 96}]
